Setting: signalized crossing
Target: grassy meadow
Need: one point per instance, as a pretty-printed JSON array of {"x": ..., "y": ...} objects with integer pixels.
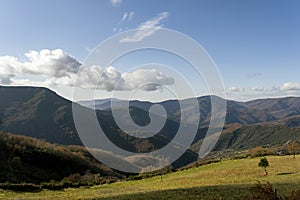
[{"x": 229, "y": 179}]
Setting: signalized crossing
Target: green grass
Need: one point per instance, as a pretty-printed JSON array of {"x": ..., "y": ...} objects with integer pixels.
[{"x": 228, "y": 180}]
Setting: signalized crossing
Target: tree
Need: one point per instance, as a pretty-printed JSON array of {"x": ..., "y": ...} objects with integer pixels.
[
  {"x": 264, "y": 163},
  {"x": 258, "y": 151},
  {"x": 293, "y": 148}
]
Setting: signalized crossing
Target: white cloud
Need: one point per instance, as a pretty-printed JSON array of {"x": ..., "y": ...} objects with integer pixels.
[
  {"x": 9, "y": 66},
  {"x": 111, "y": 79},
  {"x": 5, "y": 79},
  {"x": 151, "y": 77},
  {"x": 57, "y": 68},
  {"x": 104, "y": 78},
  {"x": 290, "y": 86},
  {"x": 236, "y": 89},
  {"x": 147, "y": 28},
  {"x": 54, "y": 63},
  {"x": 126, "y": 16},
  {"x": 116, "y": 2},
  {"x": 48, "y": 63},
  {"x": 130, "y": 15},
  {"x": 27, "y": 82},
  {"x": 258, "y": 89}
]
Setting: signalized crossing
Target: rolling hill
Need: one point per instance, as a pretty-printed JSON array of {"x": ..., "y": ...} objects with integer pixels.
[
  {"x": 41, "y": 113},
  {"x": 37, "y": 112},
  {"x": 230, "y": 179},
  {"x": 25, "y": 159}
]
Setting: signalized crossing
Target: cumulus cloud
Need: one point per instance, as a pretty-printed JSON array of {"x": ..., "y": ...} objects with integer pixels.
[
  {"x": 236, "y": 89},
  {"x": 111, "y": 79},
  {"x": 57, "y": 68},
  {"x": 9, "y": 66},
  {"x": 116, "y": 2},
  {"x": 147, "y": 28},
  {"x": 290, "y": 86},
  {"x": 151, "y": 77},
  {"x": 5, "y": 79},
  {"x": 54, "y": 63}
]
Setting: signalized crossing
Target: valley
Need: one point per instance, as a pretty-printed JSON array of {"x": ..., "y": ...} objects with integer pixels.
[{"x": 40, "y": 146}]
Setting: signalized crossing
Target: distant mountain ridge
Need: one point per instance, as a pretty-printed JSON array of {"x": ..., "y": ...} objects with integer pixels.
[
  {"x": 250, "y": 112},
  {"x": 41, "y": 113}
]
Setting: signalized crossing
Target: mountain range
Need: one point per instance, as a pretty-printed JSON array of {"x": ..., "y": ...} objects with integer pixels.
[
  {"x": 41, "y": 113},
  {"x": 285, "y": 110}
]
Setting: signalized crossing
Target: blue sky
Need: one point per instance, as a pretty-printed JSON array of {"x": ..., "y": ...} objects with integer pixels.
[{"x": 255, "y": 44}]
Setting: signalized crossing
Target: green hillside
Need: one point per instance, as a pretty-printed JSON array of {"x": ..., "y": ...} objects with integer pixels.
[
  {"x": 231, "y": 179},
  {"x": 39, "y": 113},
  {"x": 249, "y": 137},
  {"x": 29, "y": 160}
]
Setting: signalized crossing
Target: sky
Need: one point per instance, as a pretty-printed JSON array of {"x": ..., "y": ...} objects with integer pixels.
[{"x": 254, "y": 44}]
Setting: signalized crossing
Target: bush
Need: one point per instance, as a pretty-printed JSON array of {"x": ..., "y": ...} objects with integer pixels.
[
  {"x": 266, "y": 192},
  {"x": 260, "y": 192},
  {"x": 294, "y": 195},
  {"x": 260, "y": 151}
]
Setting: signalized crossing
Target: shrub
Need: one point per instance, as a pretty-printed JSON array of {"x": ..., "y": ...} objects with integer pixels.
[
  {"x": 260, "y": 151},
  {"x": 260, "y": 192},
  {"x": 266, "y": 192}
]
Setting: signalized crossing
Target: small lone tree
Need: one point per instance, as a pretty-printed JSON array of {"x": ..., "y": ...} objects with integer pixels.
[
  {"x": 293, "y": 148},
  {"x": 264, "y": 163}
]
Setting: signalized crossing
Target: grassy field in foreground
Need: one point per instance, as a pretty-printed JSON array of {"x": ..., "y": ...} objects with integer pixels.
[{"x": 228, "y": 180}]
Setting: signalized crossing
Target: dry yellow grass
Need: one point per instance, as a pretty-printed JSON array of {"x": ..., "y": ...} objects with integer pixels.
[{"x": 232, "y": 177}]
